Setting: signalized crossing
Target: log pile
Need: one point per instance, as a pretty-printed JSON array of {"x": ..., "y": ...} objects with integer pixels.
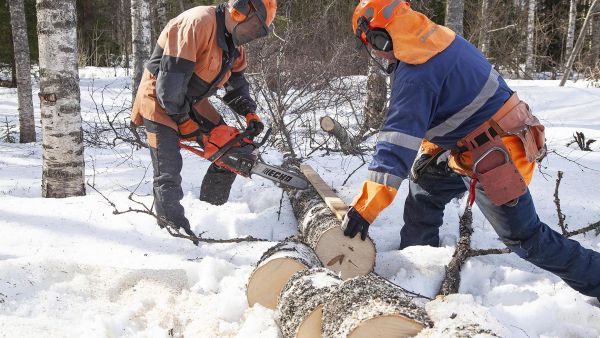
[{"x": 322, "y": 283}]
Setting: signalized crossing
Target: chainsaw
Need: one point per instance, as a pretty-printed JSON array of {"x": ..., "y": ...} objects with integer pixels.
[{"x": 236, "y": 151}]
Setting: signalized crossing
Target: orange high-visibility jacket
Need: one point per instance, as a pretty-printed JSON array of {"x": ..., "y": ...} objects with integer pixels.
[{"x": 193, "y": 58}]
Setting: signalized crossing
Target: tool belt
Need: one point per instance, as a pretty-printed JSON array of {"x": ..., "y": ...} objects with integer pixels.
[{"x": 483, "y": 155}]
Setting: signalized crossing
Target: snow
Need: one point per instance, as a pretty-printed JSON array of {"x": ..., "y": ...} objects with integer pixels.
[{"x": 71, "y": 268}]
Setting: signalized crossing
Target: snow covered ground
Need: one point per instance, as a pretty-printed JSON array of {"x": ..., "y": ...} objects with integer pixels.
[{"x": 70, "y": 268}]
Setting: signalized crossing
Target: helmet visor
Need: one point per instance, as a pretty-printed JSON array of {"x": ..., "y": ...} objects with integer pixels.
[{"x": 252, "y": 28}]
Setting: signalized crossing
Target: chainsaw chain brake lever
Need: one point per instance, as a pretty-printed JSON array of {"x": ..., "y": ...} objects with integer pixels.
[{"x": 263, "y": 140}]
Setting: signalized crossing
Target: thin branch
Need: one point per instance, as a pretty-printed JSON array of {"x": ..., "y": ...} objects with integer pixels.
[{"x": 561, "y": 216}]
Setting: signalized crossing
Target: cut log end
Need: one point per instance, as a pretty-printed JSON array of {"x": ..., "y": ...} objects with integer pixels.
[
  {"x": 351, "y": 257},
  {"x": 311, "y": 325},
  {"x": 266, "y": 282},
  {"x": 388, "y": 326},
  {"x": 328, "y": 124},
  {"x": 274, "y": 270}
]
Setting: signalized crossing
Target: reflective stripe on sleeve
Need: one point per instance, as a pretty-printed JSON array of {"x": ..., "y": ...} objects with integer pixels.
[
  {"x": 400, "y": 139},
  {"x": 488, "y": 90},
  {"x": 386, "y": 179}
]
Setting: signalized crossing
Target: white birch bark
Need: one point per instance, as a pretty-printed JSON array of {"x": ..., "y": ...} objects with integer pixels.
[
  {"x": 530, "y": 51},
  {"x": 455, "y": 10},
  {"x": 63, "y": 165},
  {"x": 484, "y": 35},
  {"x": 141, "y": 32},
  {"x": 571, "y": 29},
  {"x": 23, "y": 71}
]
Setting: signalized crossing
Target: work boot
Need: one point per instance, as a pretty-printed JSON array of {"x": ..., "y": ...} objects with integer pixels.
[{"x": 216, "y": 185}]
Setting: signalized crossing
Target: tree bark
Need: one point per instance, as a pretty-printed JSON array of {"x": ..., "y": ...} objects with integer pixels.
[
  {"x": 274, "y": 270},
  {"x": 530, "y": 51},
  {"x": 595, "y": 47},
  {"x": 374, "y": 111},
  {"x": 23, "y": 71},
  {"x": 362, "y": 306},
  {"x": 161, "y": 12},
  {"x": 300, "y": 305},
  {"x": 455, "y": 11},
  {"x": 141, "y": 32},
  {"x": 321, "y": 230},
  {"x": 335, "y": 129},
  {"x": 484, "y": 35},
  {"x": 63, "y": 164},
  {"x": 571, "y": 29},
  {"x": 579, "y": 43}
]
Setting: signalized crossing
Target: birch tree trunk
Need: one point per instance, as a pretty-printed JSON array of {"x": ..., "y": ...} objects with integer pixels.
[
  {"x": 374, "y": 110},
  {"x": 161, "y": 12},
  {"x": 23, "y": 71},
  {"x": 63, "y": 165},
  {"x": 141, "y": 32},
  {"x": 484, "y": 36},
  {"x": 579, "y": 44},
  {"x": 571, "y": 29},
  {"x": 530, "y": 57},
  {"x": 455, "y": 10}
]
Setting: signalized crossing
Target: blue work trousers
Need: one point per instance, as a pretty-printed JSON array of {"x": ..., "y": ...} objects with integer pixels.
[{"x": 517, "y": 225}]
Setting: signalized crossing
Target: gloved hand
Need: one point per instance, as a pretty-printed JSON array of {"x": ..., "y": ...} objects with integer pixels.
[
  {"x": 254, "y": 124},
  {"x": 188, "y": 129},
  {"x": 354, "y": 223}
]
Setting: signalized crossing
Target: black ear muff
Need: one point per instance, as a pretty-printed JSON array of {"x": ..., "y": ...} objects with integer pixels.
[
  {"x": 380, "y": 39},
  {"x": 242, "y": 6}
]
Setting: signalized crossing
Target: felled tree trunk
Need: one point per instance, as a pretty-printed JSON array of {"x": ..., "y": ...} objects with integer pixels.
[
  {"x": 451, "y": 282},
  {"x": 320, "y": 229},
  {"x": 275, "y": 268},
  {"x": 300, "y": 308},
  {"x": 335, "y": 129},
  {"x": 370, "y": 306}
]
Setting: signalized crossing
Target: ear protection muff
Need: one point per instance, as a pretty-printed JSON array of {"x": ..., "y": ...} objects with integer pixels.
[
  {"x": 380, "y": 39},
  {"x": 240, "y": 9}
]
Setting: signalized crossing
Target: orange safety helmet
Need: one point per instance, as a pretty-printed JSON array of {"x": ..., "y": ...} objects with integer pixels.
[
  {"x": 241, "y": 9},
  {"x": 372, "y": 17},
  {"x": 253, "y": 17}
]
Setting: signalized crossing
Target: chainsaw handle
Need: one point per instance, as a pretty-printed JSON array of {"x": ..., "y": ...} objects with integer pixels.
[{"x": 264, "y": 139}]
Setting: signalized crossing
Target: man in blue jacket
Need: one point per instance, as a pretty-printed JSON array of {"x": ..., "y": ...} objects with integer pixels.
[{"x": 469, "y": 131}]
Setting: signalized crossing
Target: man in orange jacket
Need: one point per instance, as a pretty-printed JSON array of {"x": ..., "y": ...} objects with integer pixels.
[
  {"x": 197, "y": 53},
  {"x": 469, "y": 131}
]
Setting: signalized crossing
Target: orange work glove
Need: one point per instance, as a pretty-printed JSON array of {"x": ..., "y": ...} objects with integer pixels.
[
  {"x": 188, "y": 129},
  {"x": 254, "y": 126}
]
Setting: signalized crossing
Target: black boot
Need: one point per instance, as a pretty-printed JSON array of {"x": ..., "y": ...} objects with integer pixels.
[{"x": 216, "y": 185}]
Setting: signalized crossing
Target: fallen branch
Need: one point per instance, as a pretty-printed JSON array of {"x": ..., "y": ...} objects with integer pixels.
[
  {"x": 171, "y": 228},
  {"x": 561, "y": 216}
]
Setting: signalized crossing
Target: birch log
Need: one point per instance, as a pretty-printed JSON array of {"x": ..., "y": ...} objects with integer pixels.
[
  {"x": 335, "y": 129},
  {"x": 300, "y": 305},
  {"x": 274, "y": 270},
  {"x": 320, "y": 229},
  {"x": 372, "y": 307}
]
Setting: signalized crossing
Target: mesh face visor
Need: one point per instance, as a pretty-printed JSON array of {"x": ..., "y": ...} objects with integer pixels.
[{"x": 252, "y": 28}]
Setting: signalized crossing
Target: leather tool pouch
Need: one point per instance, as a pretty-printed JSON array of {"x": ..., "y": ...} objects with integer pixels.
[
  {"x": 522, "y": 123},
  {"x": 496, "y": 172}
]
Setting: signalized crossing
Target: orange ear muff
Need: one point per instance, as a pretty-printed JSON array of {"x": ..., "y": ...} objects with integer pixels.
[{"x": 236, "y": 15}]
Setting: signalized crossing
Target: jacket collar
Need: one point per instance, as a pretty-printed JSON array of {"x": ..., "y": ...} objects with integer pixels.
[{"x": 224, "y": 38}]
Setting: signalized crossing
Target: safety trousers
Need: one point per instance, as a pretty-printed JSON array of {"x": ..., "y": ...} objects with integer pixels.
[
  {"x": 517, "y": 225},
  {"x": 167, "y": 164}
]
